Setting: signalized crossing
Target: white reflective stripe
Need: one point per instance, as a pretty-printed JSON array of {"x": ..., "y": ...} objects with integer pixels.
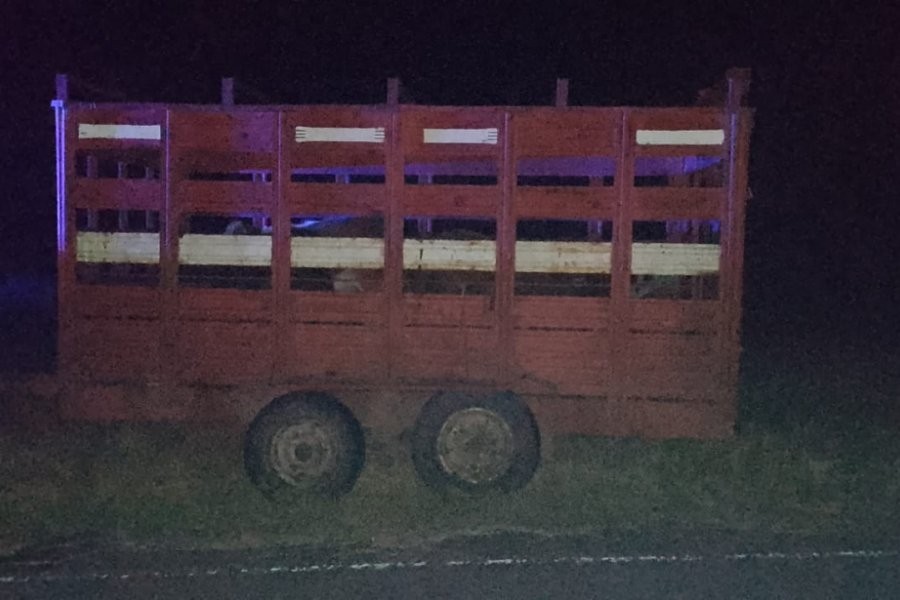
[
  {"x": 681, "y": 137},
  {"x": 449, "y": 255},
  {"x": 132, "y": 248},
  {"x": 239, "y": 250},
  {"x": 563, "y": 257},
  {"x": 337, "y": 253},
  {"x": 460, "y": 136},
  {"x": 674, "y": 259},
  {"x": 373, "y": 135},
  {"x": 109, "y": 131}
]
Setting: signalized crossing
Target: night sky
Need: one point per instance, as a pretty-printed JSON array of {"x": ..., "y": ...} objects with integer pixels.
[{"x": 823, "y": 228}]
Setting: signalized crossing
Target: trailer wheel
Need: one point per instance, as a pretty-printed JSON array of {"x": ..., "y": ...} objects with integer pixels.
[
  {"x": 304, "y": 444},
  {"x": 476, "y": 444}
]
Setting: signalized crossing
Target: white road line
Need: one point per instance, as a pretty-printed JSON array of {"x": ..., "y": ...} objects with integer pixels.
[{"x": 505, "y": 561}]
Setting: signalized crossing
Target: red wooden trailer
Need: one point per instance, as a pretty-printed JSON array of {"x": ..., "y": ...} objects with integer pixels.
[{"x": 476, "y": 274}]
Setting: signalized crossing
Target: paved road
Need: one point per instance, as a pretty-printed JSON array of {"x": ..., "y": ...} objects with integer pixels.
[{"x": 505, "y": 566}]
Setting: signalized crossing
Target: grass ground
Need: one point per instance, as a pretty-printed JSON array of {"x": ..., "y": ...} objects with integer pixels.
[
  {"x": 168, "y": 484},
  {"x": 816, "y": 454}
]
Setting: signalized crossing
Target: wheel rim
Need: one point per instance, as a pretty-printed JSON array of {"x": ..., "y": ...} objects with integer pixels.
[
  {"x": 476, "y": 445},
  {"x": 303, "y": 452}
]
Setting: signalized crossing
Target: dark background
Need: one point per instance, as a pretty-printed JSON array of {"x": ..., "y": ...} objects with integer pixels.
[{"x": 822, "y": 249}]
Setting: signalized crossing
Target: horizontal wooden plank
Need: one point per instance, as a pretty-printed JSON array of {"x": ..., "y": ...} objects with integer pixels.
[
  {"x": 241, "y": 250},
  {"x": 224, "y": 304},
  {"x": 447, "y": 311},
  {"x": 224, "y": 353},
  {"x": 224, "y": 131},
  {"x": 676, "y": 119},
  {"x": 673, "y": 316},
  {"x": 335, "y": 198},
  {"x": 551, "y": 132},
  {"x": 446, "y": 355},
  {"x": 331, "y": 350},
  {"x": 335, "y": 115},
  {"x": 674, "y": 259},
  {"x": 565, "y": 202},
  {"x": 121, "y": 194},
  {"x": 451, "y": 200},
  {"x": 677, "y": 203},
  {"x": 116, "y": 301},
  {"x": 129, "y": 247},
  {"x": 116, "y": 349},
  {"x": 450, "y": 255},
  {"x": 223, "y": 196},
  {"x": 563, "y": 257},
  {"x": 560, "y": 313},
  {"x": 563, "y": 362},
  {"x": 337, "y": 252},
  {"x": 328, "y": 307}
]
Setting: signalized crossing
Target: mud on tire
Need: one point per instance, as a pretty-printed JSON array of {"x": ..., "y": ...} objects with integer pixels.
[
  {"x": 304, "y": 444},
  {"x": 476, "y": 443}
]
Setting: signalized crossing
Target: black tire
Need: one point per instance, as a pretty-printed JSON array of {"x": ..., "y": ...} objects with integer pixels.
[
  {"x": 476, "y": 444},
  {"x": 304, "y": 444}
]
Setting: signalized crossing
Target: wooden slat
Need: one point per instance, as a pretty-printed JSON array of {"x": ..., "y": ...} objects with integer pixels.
[
  {"x": 450, "y": 255},
  {"x": 560, "y": 313},
  {"x": 447, "y": 311},
  {"x": 451, "y": 200},
  {"x": 224, "y": 353},
  {"x": 328, "y": 307},
  {"x": 563, "y": 257},
  {"x": 337, "y": 253},
  {"x": 447, "y": 355},
  {"x": 677, "y": 203},
  {"x": 112, "y": 115},
  {"x": 131, "y": 247},
  {"x": 224, "y": 304},
  {"x": 414, "y": 120},
  {"x": 116, "y": 301},
  {"x": 242, "y": 250},
  {"x": 223, "y": 196},
  {"x": 224, "y": 131},
  {"x": 335, "y": 351},
  {"x": 335, "y": 198},
  {"x": 120, "y": 194},
  {"x": 674, "y": 259},
  {"x": 550, "y": 132},
  {"x": 673, "y": 316},
  {"x": 565, "y": 202},
  {"x": 562, "y": 362},
  {"x": 112, "y": 349}
]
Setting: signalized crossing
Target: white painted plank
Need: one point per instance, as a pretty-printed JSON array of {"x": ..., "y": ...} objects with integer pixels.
[
  {"x": 231, "y": 250},
  {"x": 372, "y": 135},
  {"x": 563, "y": 257},
  {"x": 449, "y": 255},
  {"x": 674, "y": 259},
  {"x": 680, "y": 137},
  {"x": 112, "y": 131},
  {"x": 460, "y": 136},
  {"x": 337, "y": 253},
  {"x": 132, "y": 248}
]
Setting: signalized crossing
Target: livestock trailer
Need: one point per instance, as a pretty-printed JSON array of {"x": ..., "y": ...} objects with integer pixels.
[{"x": 476, "y": 275}]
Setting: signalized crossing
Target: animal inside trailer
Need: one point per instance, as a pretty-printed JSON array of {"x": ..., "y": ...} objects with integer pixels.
[{"x": 477, "y": 275}]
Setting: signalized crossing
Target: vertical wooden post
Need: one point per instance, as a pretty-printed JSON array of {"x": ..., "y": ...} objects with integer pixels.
[
  {"x": 505, "y": 240},
  {"x": 562, "y": 93},
  {"x": 620, "y": 295},
  {"x": 228, "y": 92},
  {"x": 393, "y": 91},
  {"x": 732, "y": 233},
  {"x": 281, "y": 254}
]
